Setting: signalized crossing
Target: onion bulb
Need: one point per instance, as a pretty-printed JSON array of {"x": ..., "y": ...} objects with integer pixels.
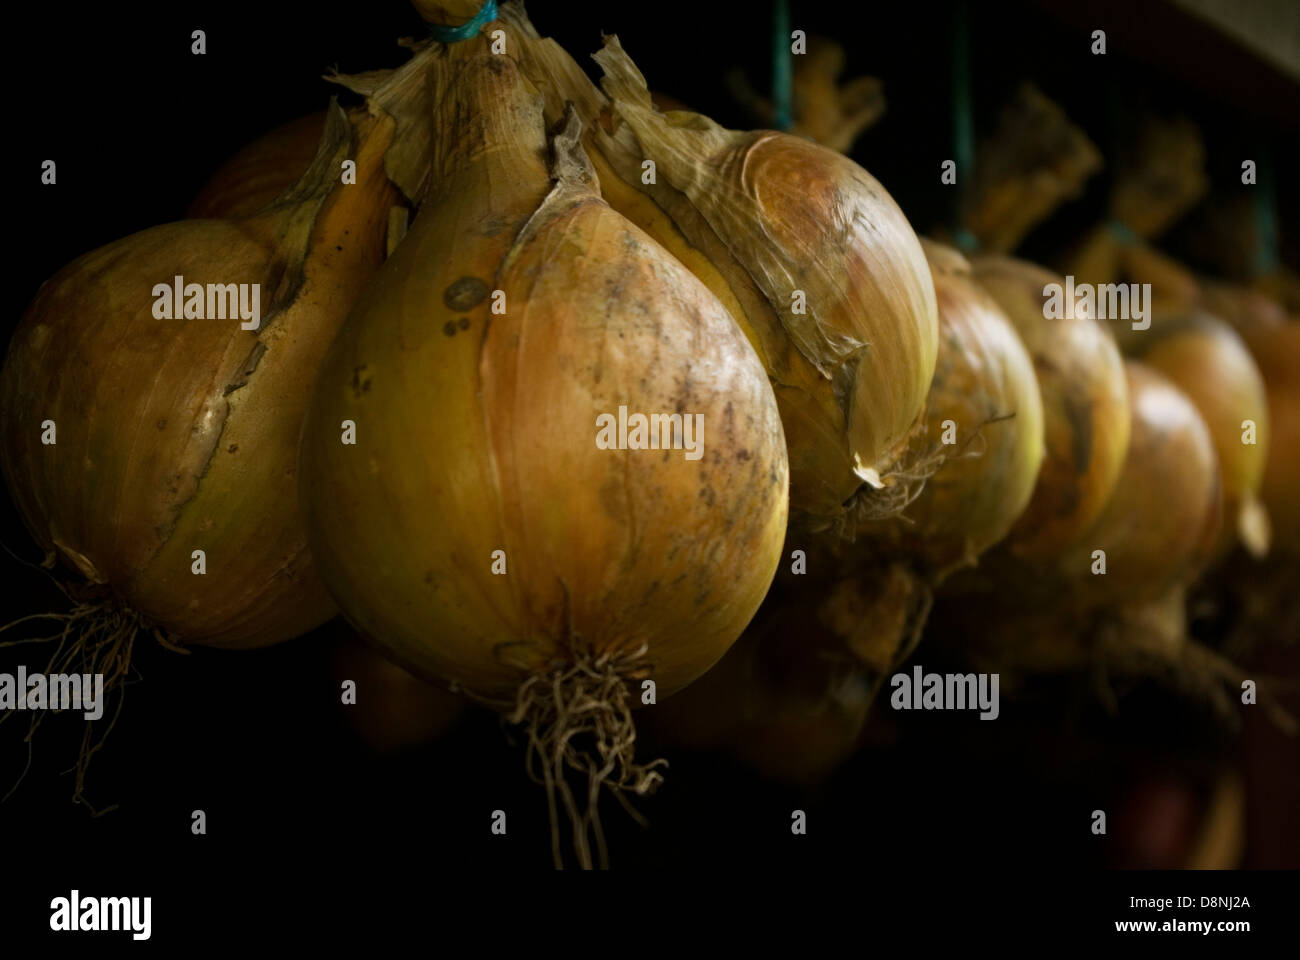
[
  {"x": 389, "y": 709},
  {"x": 1245, "y": 309},
  {"x": 1208, "y": 361},
  {"x": 807, "y": 251},
  {"x": 157, "y": 457},
  {"x": 260, "y": 172},
  {"x": 481, "y": 530},
  {"x": 1276, "y": 351},
  {"x": 787, "y": 700},
  {"x": 1163, "y": 515},
  {"x": 983, "y": 427},
  {"x": 1085, "y": 406}
]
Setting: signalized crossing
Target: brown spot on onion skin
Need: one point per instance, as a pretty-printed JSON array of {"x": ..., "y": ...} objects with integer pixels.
[
  {"x": 465, "y": 294},
  {"x": 449, "y": 328}
]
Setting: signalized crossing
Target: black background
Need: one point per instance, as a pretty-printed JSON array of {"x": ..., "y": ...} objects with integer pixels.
[{"x": 258, "y": 740}]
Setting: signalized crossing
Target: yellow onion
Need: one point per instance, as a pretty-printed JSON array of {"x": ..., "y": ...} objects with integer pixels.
[
  {"x": 1245, "y": 309},
  {"x": 476, "y": 531},
  {"x": 176, "y": 435},
  {"x": 157, "y": 458},
  {"x": 807, "y": 251},
  {"x": 1208, "y": 361},
  {"x": 1164, "y": 512},
  {"x": 786, "y": 699},
  {"x": 390, "y": 709},
  {"x": 259, "y": 173},
  {"x": 1085, "y": 406},
  {"x": 1276, "y": 350},
  {"x": 984, "y": 399}
]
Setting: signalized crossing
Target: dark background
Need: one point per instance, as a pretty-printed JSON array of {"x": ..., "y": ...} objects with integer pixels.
[{"x": 257, "y": 740}]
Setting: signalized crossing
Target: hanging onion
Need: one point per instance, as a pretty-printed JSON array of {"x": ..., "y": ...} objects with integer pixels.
[
  {"x": 1276, "y": 350},
  {"x": 390, "y": 709},
  {"x": 260, "y": 172},
  {"x": 1208, "y": 361},
  {"x": 1164, "y": 512},
  {"x": 157, "y": 456},
  {"x": 1117, "y": 597},
  {"x": 978, "y": 455},
  {"x": 786, "y": 699},
  {"x": 806, "y": 250},
  {"x": 983, "y": 429},
  {"x": 181, "y": 434},
  {"x": 476, "y": 530},
  {"x": 1085, "y": 405}
]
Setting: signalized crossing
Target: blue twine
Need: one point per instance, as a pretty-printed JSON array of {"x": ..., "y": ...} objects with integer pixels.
[
  {"x": 782, "y": 80},
  {"x": 966, "y": 241},
  {"x": 486, "y": 14},
  {"x": 1266, "y": 253},
  {"x": 1122, "y": 231},
  {"x": 963, "y": 123}
]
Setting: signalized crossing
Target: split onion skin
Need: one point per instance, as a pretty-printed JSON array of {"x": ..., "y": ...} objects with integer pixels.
[
  {"x": 1163, "y": 517},
  {"x": 1210, "y": 363},
  {"x": 476, "y": 431},
  {"x": 177, "y": 435},
  {"x": 1085, "y": 408},
  {"x": 259, "y": 173}
]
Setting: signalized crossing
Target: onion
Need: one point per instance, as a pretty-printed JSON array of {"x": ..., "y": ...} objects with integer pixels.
[
  {"x": 476, "y": 445},
  {"x": 392, "y": 710},
  {"x": 786, "y": 699},
  {"x": 1085, "y": 407},
  {"x": 1276, "y": 350},
  {"x": 179, "y": 435},
  {"x": 261, "y": 171},
  {"x": 1209, "y": 362},
  {"x": 807, "y": 251},
  {"x": 1164, "y": 512},
  {"x": 978, "y": 455},
  {"x": 985, "y": 398},
  {"x": 1245, "y": 309}
]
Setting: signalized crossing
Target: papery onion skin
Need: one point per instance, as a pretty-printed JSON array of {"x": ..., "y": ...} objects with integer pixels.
[
  {"x": 182, "y": 434},
  {"x": 1161, "y": 521},
  {"x": 984, "y": 385},
  {"x": 1210, "y": 363},
  {"x": 1085, "y": 407},
  {"x": 260, "y": 172},
  {"x": 476, "y": 431}
]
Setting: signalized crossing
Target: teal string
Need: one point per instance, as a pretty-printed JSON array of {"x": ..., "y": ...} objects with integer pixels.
[
  {"x": 782, "y": 75},
  {"x": 963, "y": 123},
  {"x": 1266, "y": 254},
  {"x": 486, "y": 14},
  {"x": 1123, "y": 232}
]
